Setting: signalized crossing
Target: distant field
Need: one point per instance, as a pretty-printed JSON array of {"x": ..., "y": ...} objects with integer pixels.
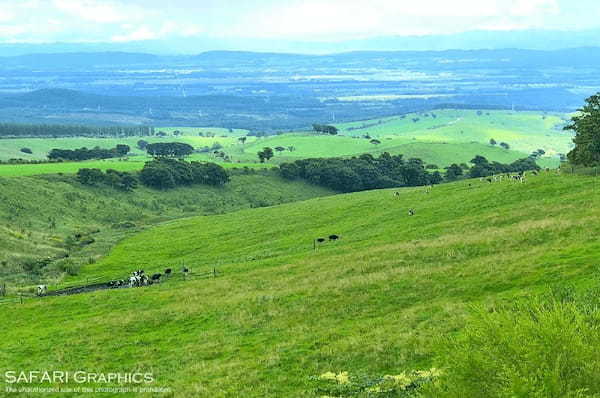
[
  {"x": 440, "y": 153},
  {"x": 11, "y": 148},
  {"x": 19, "y": 170},
  {"x": 523, "y": 131},
  {"x": 439, "y": 137}
]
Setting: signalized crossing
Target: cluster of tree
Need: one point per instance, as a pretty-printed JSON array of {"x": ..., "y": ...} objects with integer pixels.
[
  {"x": 265, "y": 154},
  {"x": 59, "y": 130},
  {"x": 165, "y": 173},
  {"x": 86, "y": 154},
  {"x": 483, "y": 168},
  {"x": 361, "y": 173},
  {"x": 116, "y": 179},
  {"x": 586, "y": 126},
  {"x": 325, "y": 128},
  {"x": 169, "y": 150}
]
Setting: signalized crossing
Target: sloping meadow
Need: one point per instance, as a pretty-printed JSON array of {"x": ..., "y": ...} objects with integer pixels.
[{"x": 286, "y": 308}]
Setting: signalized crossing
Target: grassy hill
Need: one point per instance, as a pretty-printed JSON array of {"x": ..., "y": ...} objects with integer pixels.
[
  {"x": 41, "y": 216},
  {"x": 371, "y": 303}
]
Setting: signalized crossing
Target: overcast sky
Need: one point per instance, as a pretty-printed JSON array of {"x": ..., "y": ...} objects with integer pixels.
[{"x": 309, "y": 20}]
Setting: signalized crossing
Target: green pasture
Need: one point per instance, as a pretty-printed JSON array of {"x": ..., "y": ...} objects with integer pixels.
[{"x": 375, "y": 302}]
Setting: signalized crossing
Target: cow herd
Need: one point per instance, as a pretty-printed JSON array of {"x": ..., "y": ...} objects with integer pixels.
[{"x": 139, "y": 278}]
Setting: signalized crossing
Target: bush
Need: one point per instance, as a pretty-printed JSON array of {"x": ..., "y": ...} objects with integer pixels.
[
  {"x": 26, "y": 150},
  {"x": 545, "y": 347}
]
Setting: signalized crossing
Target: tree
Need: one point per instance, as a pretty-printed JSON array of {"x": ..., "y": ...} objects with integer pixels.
[
  {"x": 586, "y": 126},
  {"x": 324, "y": 128},
  {"x": 169, "y": 149},
  {"x": 122, "y": 149},
  {"x": 505, "y": 145},
  {"x": 279, "y": 148},
  {"x": 436, "y": 177},
  {"x": 142, "y": 144},
  {"x": 479, "y": 160},
  {"x": 492, "y": 141},
  {"x": 375, "y": 142},
  {"x": 209, "y": 174},
  {"x": 242, "y": 140},
  {"x": 453, "y": 172},
  {"x": 265, "y": 154},
  {"x": 26, "y": 150},
  {"x": 90, "y": 176},
  {"x": 157, "y": 176}
]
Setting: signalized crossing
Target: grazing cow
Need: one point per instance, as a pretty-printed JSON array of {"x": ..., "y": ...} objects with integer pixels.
[
  {"x": 411, "y": 212},
  {"x": 155, "y": 278},
  {"x": 168, "y": 272},
  {"x": 333, "y": 237},
  {"x": 320, "y": 240},
  {"x": 489, "y": 180},
  {"x": 42, "y": 290},
  {"x": 133, "y": 281},
  {"x": 396, "y": 194}
]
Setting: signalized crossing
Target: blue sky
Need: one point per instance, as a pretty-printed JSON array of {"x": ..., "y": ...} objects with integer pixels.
[{"x": 38, "y": 21}]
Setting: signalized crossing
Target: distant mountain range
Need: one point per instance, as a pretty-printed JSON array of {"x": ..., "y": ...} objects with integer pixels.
[
  {"x": 420, "y": 60},
  {"x": 524, "y": 39}
]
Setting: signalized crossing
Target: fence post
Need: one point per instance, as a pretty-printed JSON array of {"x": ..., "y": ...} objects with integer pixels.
[
  {"x": 214, "y": 272},
  {"x": 21, "y": 297}
]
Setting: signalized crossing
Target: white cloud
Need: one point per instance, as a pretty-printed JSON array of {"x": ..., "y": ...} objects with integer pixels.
[
  {"x": 98, "y": 11},
  {"x": 309, "y": 18},
  {"x": 169, "y": 28},
  {"x": 6, "y": 14}
]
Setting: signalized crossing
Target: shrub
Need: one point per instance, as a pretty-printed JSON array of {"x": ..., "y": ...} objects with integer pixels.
[
  {"x": 26, "y": 150},
  {"x": 544, "y": 347}
]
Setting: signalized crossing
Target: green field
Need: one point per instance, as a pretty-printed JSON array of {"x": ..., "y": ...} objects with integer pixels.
[
  {"x": 11, "y": 147},
  {"x": 452, "y": 136},
  {"x": 523, "y": 131},
  {"x": 374, "y": 302}
]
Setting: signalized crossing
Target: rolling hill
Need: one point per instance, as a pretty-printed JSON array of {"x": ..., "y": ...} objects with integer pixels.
[{"x": 372, "y": 303}]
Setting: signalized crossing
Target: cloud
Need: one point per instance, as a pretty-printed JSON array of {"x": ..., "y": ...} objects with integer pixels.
[
  {"x": 98, "y": 11},
  {"x": 6, "y": 14},
  {"x": 343, "y": 18},
  {"x": 169, "y": 28},
  {"x": 312, "y": 20}
]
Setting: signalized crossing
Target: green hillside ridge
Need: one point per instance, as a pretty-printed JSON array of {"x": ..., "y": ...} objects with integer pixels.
[
  {"x": 39, "y": 216},
  {"x": 372, "y": 303}
]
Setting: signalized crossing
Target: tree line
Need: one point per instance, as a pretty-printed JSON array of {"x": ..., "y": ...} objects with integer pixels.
[
  {"x": 361, "y": 173},
  {"x": 484, "y": 168},
  {"x": 65, "y": 130},
  {"x": 87, "y": 154},
  {"x": 161, "y": 173},
  {"x": 166, "y": 173},
  {"x": 366, "y": 172}
]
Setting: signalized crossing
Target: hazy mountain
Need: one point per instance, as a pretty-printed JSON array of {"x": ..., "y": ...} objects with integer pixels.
[{"x": 525, "y": 39}]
